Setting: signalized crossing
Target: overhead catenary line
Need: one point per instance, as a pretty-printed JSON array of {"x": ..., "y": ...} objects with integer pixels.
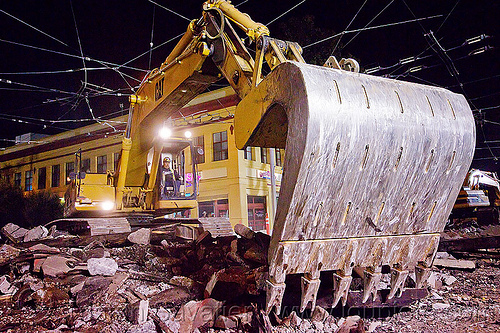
[
  {"x": 34, "y": 28},
  {"x": 63, "y": 71},
  {"x": 348, "y": 26},
  {"x": 71, "y": 55},
  {"x": 286, "y": 12},
  {"x": 373, "y": 28},
  {"x": 170, "y": 10},
  {"x": 151, "y": 40},
  {"x": 447, "y": 16},
  {"x": 37, "y": 87},
  {"x": 373, "y": 19}
]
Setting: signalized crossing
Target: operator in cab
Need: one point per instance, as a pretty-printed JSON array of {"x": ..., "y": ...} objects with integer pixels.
[{"x": 168, "y": 179}]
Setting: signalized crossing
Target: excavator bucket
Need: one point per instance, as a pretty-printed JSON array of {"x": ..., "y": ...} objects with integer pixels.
[{"x": 371, "y": 172}]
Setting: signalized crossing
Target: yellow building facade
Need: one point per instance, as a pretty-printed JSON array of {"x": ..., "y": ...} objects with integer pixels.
[{"x": 232, "y": 182}]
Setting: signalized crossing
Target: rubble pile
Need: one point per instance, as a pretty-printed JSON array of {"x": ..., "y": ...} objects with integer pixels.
[{"x": 150, "y": 284}]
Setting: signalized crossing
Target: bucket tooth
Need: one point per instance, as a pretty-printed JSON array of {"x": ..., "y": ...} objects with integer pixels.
[
  {"x": 310, "y": 289},
  {"x": 422, "y": 273},
  {"x": 341, "y": 286},
  {"x": 274, "y": 296},
  {"x": 398, "y": 279},
  {"x": 371, "y": 280}
]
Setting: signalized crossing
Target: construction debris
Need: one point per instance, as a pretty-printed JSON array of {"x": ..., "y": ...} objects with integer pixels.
[
  {"x": 455, "y": 264},
  {"x": 143, "y": 283}
]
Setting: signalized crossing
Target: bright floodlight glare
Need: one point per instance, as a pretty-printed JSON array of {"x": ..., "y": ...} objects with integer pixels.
[
  {"x": 165, "y": 132},
  {"x": 187, "y": 134},
  {"x": 108, "y": 205}
]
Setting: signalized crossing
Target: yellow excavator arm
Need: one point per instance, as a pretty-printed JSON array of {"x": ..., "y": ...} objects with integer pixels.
[{"x": 372, "y": 165}]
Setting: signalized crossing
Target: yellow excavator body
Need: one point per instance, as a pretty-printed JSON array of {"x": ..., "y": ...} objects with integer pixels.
[{"x": 372, "y": 165}]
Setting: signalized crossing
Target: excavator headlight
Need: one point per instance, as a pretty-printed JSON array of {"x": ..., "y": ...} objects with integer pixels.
[
  {"x": 188, "y": 134},
  {"x": 165, "y": 132},
  {"x": 108, "y": 205}
]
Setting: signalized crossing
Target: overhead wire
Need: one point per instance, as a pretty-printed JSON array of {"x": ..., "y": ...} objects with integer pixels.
[
  {"x": 348, "y": 26},
  {"x": 34, "y": 28},
  {"x": 151, "y": 40},
  {"x": 170, "y": 10},
  {"x": 372, "y": 28},
  {"x": 373, "y": 19},
  {"x": 286, "y": 12},
  {"x": 71, "y": 55}
]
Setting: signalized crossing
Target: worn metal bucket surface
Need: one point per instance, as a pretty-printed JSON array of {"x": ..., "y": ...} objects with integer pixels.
[{"x": 371, "y": 172}]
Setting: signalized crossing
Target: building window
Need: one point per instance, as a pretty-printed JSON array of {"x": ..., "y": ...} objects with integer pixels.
[
  {"x": 278, "y": 157},
  {"x": 56, "y": 175},
  {"x": 248, "y": 153},
  {"x": 220, "y": 146},
  {"x": 86, "y": 165},
  {"x": 263, "y": 155},
  {"x": 28, "y": 180},
  {"x": 256, "y": 212},
  {"x": 199, "y": 147},
  {"x": 102, "y": 162},
  {"x": 42, "y": 178},
  {"x": 70, "y": 167},
  {"x": 17, "y": 179},
  {"x": 116, "y": 160},
  {"x": 215, "y": 208}
]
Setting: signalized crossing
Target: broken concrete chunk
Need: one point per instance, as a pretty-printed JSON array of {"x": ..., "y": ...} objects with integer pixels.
[
  {"x": 14, "y": 231},
  {"x": 102, "y": 266},
  {"x": 444, "y": 255},
  {"x": 434, "y": 280},
  {"x": 137, "y": 312},
  {"x": 319, "y": 314},
  {"x": 448, "y": 279},
  {"x": 94, "y": 289},
  {"x": 8, "y": 253},
  {"x": 225, "y": 323},
  {"x": 36, "y": 233},
  {"x": 373, "y": 326},
  {"x": 440, "y": 306},
  {"x": 189, "y": 284},
  {"x": 97, "y": 252},
  {"x": 147, "y": 327},
  {"x": 455, "y": 264},
  {"x": 44, "y": 248},
  {"x": 55, "y": 265},
  {"x": 141, "y": 236},
  {"x": 346, "y": 324},
  {"x": 76, "y": 289},
  {"x": 196, "y": 314},
  {"x": 51, "y": 297},
  {"x": 172, "y": 296},
  {"x": 6, "y": 287},
  {"x": 244, "y": 231}
]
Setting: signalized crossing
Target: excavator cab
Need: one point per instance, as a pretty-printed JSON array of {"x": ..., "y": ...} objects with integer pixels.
[{"x": 176, "y": 183}]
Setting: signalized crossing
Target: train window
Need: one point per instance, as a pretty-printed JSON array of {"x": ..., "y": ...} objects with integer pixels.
[
  {"x": 199, "y": 144},
  {"x": 86, "y": 165},
  {"x": 263, "y": 155},
  {"x": 42, "y": 178},
  {"x": 248, "y": 153},
  {"x": 56, "y": 175},
  {"x": 116, "y": 160},
  {"x": 70, "y": 167},
  {"x": 17, "y": 179},
  {"x": 102, "y": 164},
  {"x": 220, "y": 146},
  {"x": 28, "y": 180},
  {"x": 278, "y": 157}
]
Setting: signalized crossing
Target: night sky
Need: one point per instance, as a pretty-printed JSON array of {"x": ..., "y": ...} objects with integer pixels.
[{"x": 42, "y": 56}]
